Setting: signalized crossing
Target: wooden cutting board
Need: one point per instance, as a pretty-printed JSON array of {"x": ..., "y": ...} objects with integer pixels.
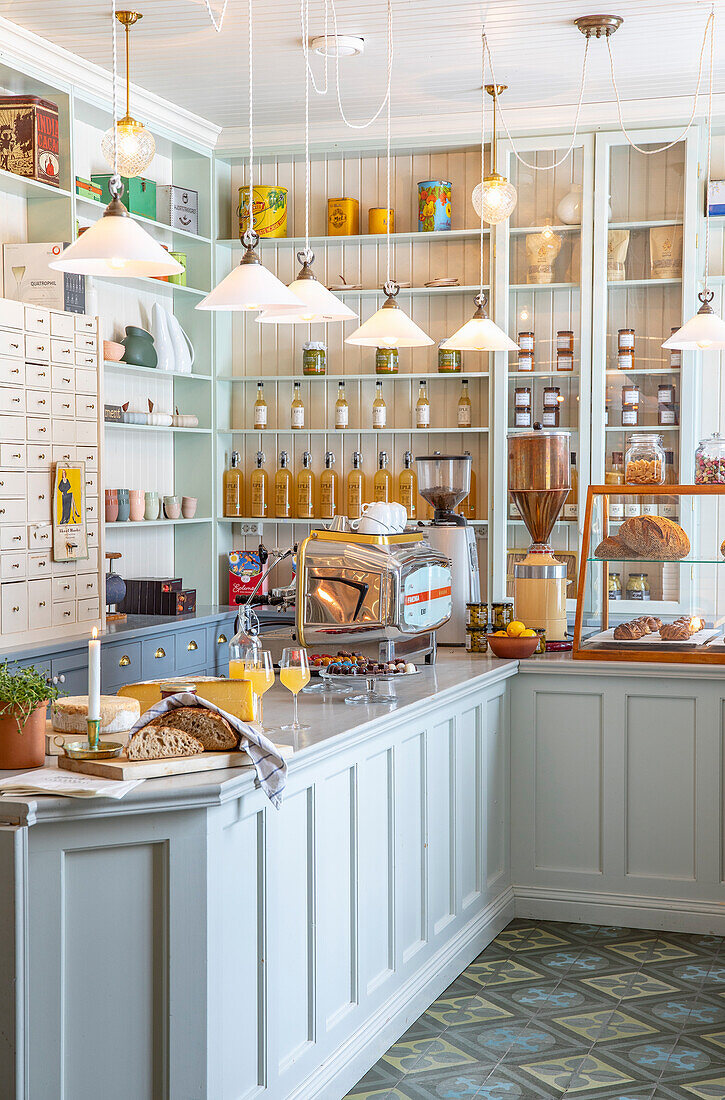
[{"x": 121, "y": 768}]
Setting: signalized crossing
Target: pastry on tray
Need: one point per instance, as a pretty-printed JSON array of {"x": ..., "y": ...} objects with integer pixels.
[
  {"x": 629, "y": 632},
  {"x": 158, "y": 742},
  {"x": 653, "y": 537},
  {"x": 651, "y": 622},
  {"x": 675, "y": 632}
]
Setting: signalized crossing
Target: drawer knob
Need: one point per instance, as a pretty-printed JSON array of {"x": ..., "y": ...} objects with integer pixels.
[
  {"x": 42, "y": 455},
  {"x": 66, "y": 588},
  {"x": 41, "y": 496},
  {"x": 192, "y": 646},
  {"x": 15, "y": 345},
  {"x": 160, "y": 653},
  {"x": 42, "y": 603},
  {"x": 2, "y": 511},
  {"x": 16, "y": 401},
  {"x": 66, "y": 613},
  {"x": 42, "y": 429},
  {"x": 15, "y": 370},
  {"x": 16, "y": 609},
  {"x": 124, "y": 662},
  {"x": 221, "y": 639},
  {"x": 42, "y": 401},
  {"x": 59, "y": 679},
  {"x": 19, "y": 456},
  {"x": 15, "y": 565},
  {"x": 89, "y": 584},
  {"x": 41, "y": 374},
  {"x": 65, "y": 405},
  {"x": 17, "y": 538}
]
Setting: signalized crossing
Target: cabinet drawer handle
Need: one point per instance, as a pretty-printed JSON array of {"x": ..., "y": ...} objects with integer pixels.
[
  {"x": 17, "y": 538},
  {"x": 15, "y": 370},
  {"x": 42, "y": 429},
  {"x": 19, "y": 456},
  {"x": 160, "y": 653},
  {"x": 42, "y": 455},
  {"x": 42, "y": 401},
  {"x": 15, "y": 345},
  {"x": 16, "y": 609},
  {"x": 41, "y": 496},
  {"x": 66, "y": 613},
  {"x": 42, "y": 603},
  {"x": 125, "y": 661},
  {"x": 221, "y": 639},
  {"x": 65, "y": 405},
  {"x": 67, "y": 380},
  {"x": 16, "y": 401},
  {"x": 192, "y": 646},
  {"x": 41, "y": 374},
  {"x": 15, "y": 565},
  {"x": 2, "y": 511},
  {"x": 89, "y": 584},
  {"x": 44, "y": 536},
  {"x": 66, "y": 588}
]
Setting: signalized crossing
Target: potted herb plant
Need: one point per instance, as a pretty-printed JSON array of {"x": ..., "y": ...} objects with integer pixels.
[{"x": 24, "y": 696}]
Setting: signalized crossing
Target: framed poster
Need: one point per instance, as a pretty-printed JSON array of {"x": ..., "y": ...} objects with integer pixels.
[{"x": 70, "y": 536}]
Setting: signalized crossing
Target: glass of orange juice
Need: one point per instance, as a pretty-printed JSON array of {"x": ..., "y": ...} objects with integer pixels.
[
  {"x": 259, "y": 670},
  {"x": 294, "y": 673}
]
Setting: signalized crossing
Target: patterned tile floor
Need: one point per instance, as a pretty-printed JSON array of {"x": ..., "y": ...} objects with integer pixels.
[{"x": 569, "y": 1010}]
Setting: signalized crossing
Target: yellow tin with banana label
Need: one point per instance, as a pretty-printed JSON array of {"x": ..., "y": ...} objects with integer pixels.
[
  {"x": 269, "y": 210},
  {"x": 343, "y": 217}
]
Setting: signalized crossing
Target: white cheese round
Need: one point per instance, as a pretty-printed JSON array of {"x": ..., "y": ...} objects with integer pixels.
[{"x": 118, "y": 714}]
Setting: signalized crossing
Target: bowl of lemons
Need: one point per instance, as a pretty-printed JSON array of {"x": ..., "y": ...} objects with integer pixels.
[{"x": 515, "y": 642}]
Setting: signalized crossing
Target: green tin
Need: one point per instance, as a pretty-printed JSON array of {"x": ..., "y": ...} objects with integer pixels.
[
  {"x": 180, "y": 279},
  {"x": 139, "y": 194}
]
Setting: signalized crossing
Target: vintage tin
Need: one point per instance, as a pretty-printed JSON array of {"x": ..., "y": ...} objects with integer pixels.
[
  {"x": 88, "y": 190},
  {"x": 343, "y": 217},
  {"x": 502, "y": 614},
  {"x": 378, "y": 217},
  {"x": 314, "y": 358},
  {"x": 449, "y": 361},
  {"x": 139, "y": 194},
  {"x": 178, "y": 207},
  {"x": 434, "y": 206},
  {"x": 386, "y": 360},
  {"x": 29, "y": 143},
  {"x": 180, "y": 279},
  {"x": 269, "y": 210},
  {"x": 476, "y": 640}
]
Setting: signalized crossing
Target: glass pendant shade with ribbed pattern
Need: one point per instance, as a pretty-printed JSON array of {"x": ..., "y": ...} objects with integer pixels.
[
  {"x": 495, "y": 200},
  {"x": 136, "y": 147}
]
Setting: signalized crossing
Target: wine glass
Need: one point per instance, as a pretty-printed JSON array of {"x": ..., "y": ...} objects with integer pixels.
[
  {"x": 259, "y": 670},
  {"x": 294, "y": 673}
]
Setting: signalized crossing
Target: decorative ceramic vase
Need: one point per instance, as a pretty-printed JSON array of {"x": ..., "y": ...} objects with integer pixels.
[
  {"x": 137, "y": 504},
  {"x": 188, "y": 507},
  {"x": 111, "y": 505},
  {"x": 182, "y": 348},
  {"x": 23, "y": 747},
  {"x": 434, "y": 206},
  {"x": 139, "y": 350},
  {"x": 172, "y": 507},
  {"x": 124, "y": 505},
  {"x": 162, "y": 338},
  {"x": 112, "y": 351},
  {"x": 569, "y": 210}
]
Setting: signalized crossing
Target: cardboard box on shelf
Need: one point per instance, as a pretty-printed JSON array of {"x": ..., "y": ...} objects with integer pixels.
[
  {"x": 244, "y": 570},
  {"x": 144, "y": 595},
  {"x": 180, "y": 602},
  {"x": 27, "y": 278},
  {"x": 29, "y": 143}
]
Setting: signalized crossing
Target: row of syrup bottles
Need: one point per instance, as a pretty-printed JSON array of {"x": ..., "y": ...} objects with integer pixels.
[{"x": 298, "y": 498}]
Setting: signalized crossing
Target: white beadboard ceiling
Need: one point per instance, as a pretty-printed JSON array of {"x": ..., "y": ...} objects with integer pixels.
[{"x": 177, "y": 55}]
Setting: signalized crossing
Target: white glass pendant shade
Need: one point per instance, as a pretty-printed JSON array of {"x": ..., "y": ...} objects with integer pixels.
[
  {"x": 703, "y": 332},
  {"x": 117, "y": 246},
  {"x": 480, "y": 333},
  {"x": 136, "y": 147},
  {"x": 389, "y": 327},
  {"x": 318, "y": 304},
  {"x": 495, "y": 199},
  {"x": 250, "y": 286}
]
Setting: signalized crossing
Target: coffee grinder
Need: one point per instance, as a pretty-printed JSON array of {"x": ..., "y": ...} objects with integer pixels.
[
  {"x": 539, "y": 482},
  {"x": 444, "y": 481}
]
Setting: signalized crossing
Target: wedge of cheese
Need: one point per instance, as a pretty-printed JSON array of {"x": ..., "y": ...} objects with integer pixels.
[{"x": 233, "y": 696}]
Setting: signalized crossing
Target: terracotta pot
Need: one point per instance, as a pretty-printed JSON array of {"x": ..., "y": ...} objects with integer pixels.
[{"x": 26, "y": 749}]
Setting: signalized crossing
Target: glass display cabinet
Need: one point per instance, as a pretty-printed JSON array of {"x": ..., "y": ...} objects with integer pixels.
[{"x": 647, "y": 590}]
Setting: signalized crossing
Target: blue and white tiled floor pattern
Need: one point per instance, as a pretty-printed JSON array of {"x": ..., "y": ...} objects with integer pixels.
[{"x": 569, "y": 1010}]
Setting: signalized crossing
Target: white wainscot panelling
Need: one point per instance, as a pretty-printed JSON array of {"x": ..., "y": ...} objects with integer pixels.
[
  {"x": 13, "y": 220},
  {"x": 441, "y": 849},
  {"x": 568, "y": 782},
  {"x": 496, "y": 787},
  {"x": 469, "y": 808},
  {"x": 337, "y": 901},
  {"x": 376, "y": 862},
  {"x": 410, "y": 839},
  {"x": 660, "y": 782},
  {"x": 147, "y": 553}
]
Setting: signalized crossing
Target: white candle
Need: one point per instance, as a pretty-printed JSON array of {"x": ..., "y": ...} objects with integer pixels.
[{"x": 94, "y": 676}]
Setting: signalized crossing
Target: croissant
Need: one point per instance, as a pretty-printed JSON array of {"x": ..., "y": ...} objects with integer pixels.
[
  {"x": 650, "y": 621},
  {"x": 675, "y": 632},
  {"x": 628, "y": 631}
]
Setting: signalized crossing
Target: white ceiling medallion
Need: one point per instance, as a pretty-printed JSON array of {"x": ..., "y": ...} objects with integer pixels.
[{"x": 337, "y": 45}]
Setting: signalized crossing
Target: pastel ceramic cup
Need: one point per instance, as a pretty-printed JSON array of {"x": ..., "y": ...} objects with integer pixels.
[
  {"x": 152, "y": 505},
  {"x": 124, "y": 505},
  {"x": 111, "y": 496},
  {"x": 136, "y": 504},
  {"x": 188, "y": 507},
  {"x": 172, "y": 507}
]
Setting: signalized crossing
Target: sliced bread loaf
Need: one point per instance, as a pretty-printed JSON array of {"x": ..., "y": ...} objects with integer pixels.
[
  {"x": 160, "y": 742},
  {"x": 214, "y": 732}
]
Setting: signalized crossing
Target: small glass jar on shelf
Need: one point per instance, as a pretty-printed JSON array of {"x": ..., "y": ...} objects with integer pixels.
[
  {"x": 314, "y": 358},
  {"x": 644, "y": 460},
  {"x": 710, "y": 461}
]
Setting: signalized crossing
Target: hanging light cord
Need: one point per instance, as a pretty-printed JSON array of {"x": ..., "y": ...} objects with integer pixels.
[
  {"x": 708, "y": 295},
  {"x": 387, "y": 182},
  {"x": 483, "y": 142},
  {"x": 563, "y": 157},
  {"x": 216, "y": 23},
  {"x": 709, "y": 26},
  {"x": 115, "y": 185},
  {"x": 250, "y": 226}
]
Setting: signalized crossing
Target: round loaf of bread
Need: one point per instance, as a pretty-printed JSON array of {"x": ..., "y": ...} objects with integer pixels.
[
  {"x": 613, "y": 549},
  {"x": 159, "y": 743},
  {"x": 214, "y": 732},
  {"x": 654, "y": 537},
  {"x": 118, "y": 715}
]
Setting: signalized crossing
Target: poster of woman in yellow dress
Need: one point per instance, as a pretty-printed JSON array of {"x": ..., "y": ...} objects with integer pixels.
[{"x": 70, "y": 538}]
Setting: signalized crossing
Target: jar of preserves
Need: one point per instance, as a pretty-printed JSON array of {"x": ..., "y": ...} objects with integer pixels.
[
  {"x": 630, "y": 416},
  {"x": 625, "y": 339},
  {"x": 666, "y": 393},
  {"x": 526, "y": 341},
  {"x": 564, "y": 361},
  {"x": 522, "y": 418},
  {"x": 710, "y": 461},
  {"x": 638, "y": 587},
  {"x": 644, "y": 461},
  {"x": 675, "y": 354},
  {"x": 525, "y": 361},
  {"x": 565, "y": 340},
  {"x": 386, "y": 360},
  {"x": 476, "y": 615},
  {"x": 630, "y": 395},
  {"x": 314, "y": 358},
  {"x": 625, "y": 359},
  {"x": 666, "y": 415},
  {"x": 552, "y": 396},
  {"x": 449, "y": 361},
  {"x": 614, "y": 586},
  {"x": 502, "y": 614}
]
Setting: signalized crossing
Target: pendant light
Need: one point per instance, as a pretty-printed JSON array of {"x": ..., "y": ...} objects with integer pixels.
[
  {"x": 249, "y": 286},
  {"x": 705, "y": 331},
  {"x": 494, "y": 198},
  {"x": 136, "y": 146},
  {"x": 389, "y": 327},
  {"x": 481, "y": 333},
  {"x": 116, "y": 244},
  {"x": 318, "y": 304}
]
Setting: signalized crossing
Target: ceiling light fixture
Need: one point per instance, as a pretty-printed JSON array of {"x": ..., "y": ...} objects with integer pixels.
[
  {"x": 250, "y": 286},
  {"x": 128, "y": 139},
  {"x": 494, "y": 198},
  {"x": 337, "y": 45},
  {"x": 116, "y": 244},
  {"x": 481, "y": 333}
]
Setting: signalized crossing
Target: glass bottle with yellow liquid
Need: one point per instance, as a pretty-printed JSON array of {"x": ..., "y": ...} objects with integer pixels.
[
  {"x": 260, "y": 408},
  {"x": 297, "y": 411},
  {"x": 467, "y": 507},
  {"x": 259, "y": 489},
  {"x": 355, "y": 487},
  {"x": 464, "y": 406},
  {"x": 383, "y": 482},
  {"x": 422, "y": 406},
  {"x": 306, "y": 488},
  {"x": 328, "y": 488},
  {"x": 283, "y": 488},
  {"x": 380, "y": 411},
  {"x": 233, "y": 488},
  {"x": 408, "y": 486},
  {"x": 342, "y": 409}
]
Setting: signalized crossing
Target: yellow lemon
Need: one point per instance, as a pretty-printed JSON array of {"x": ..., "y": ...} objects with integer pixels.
[
  {"x": 500, "y": 634},
  {"x": 515, "y": 629},
  {"x": 527, "y": 634}
]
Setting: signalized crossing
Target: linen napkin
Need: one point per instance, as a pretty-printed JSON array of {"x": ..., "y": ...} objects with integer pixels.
[
  {"x": 268, "y": 762},
  {"x": 70, "y": 784}
]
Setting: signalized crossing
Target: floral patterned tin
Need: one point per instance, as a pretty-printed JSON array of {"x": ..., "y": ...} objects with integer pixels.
[{"x": 434, "y": 206}]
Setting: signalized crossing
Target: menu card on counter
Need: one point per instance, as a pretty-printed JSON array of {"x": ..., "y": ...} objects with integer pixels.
[{"x": 52, "y": 781}]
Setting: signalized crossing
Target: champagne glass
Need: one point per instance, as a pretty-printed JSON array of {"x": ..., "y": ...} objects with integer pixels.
[
  {"x": 294, "y": 673},
  {"x": 259, "y": 670}
]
